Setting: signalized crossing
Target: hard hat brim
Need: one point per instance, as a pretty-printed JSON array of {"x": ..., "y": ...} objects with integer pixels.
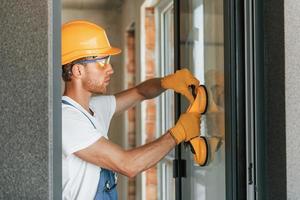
[
  {"x": 113, "y": 51},
  {"x": 89, "y": 52}
]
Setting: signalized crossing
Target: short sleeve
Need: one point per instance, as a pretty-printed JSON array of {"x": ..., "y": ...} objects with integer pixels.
[
  {"x": 77, "y": 131},
  {"x": 105, "y": 106}
]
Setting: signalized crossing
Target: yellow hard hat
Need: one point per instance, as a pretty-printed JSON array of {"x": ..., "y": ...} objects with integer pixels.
[{"x": 81, "y": 39}]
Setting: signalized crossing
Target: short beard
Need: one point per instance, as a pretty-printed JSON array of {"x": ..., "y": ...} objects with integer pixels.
[{"x": 92, "y": 86}]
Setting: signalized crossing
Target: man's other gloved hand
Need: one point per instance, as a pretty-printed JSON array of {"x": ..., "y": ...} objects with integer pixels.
[
  {"x": 180, "y": 82},
  {"x": 187, "y": 127}
]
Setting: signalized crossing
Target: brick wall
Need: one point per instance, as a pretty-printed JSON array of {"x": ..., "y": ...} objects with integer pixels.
[
  {"x": 151, "y": 174},
  {"x": 150, "y": 72},
  {"x": 130, "y": 66}
]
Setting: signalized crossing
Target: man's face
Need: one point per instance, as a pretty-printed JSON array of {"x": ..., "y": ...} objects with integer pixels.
[{"x": 97, "y": 77}]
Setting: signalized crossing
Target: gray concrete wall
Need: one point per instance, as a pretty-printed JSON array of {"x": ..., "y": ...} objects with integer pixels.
[
  {"x": 26, "y": 108},
  {"x": 282, "y": 83},
  {"x": 292, "y": 96}
]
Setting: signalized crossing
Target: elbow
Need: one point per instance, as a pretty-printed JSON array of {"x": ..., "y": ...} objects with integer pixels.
[
  {"x": 130, "y": 171},
  {"x": 131, "y": 174},
  {"x": 129, "y": 168}
]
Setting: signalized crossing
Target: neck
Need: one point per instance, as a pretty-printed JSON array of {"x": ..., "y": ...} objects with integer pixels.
[{"x": 79, "y": 95}]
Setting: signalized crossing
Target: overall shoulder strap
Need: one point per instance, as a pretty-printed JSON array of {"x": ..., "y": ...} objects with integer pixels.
[{"x": 68, "y": 103}]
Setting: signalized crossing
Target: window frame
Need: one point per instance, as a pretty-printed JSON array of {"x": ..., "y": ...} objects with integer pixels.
[{"x": 161, "y": 9}]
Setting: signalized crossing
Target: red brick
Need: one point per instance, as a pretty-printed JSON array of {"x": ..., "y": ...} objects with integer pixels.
[
  {"x": 150, "y": 128},
  {"x": 151, "y": 192},
  {"x": 130, "y": 66},
  {"x": 131, "y": 139},
  {"x": 131, "y": 114},
  {"x": 151, "y": 176}
]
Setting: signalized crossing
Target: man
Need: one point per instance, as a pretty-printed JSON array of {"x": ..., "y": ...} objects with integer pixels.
[{"x": 90, "y": 160}]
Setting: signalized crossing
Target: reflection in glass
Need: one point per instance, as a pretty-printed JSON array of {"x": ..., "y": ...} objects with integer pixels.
[
  {"x": 202, "y": 51},
  {"x": 167, "y": 120}
]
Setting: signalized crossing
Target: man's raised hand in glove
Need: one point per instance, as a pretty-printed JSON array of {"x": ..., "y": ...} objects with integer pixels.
[
  {"x": 187, "y": 127},
  {"x": 180, "y": 82}
]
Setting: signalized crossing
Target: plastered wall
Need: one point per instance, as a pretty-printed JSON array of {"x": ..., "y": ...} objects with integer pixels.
[
  {"x": 25, "y": 98},
  {"x": 282, "y": 98},
  {"x": 292, "y": 96}
]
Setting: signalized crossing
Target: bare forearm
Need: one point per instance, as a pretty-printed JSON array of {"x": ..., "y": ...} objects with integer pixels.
[
  {"x": 150, "y": 88},
  {"x": 144, "y": 157},
  {"x": 146, "y": 90}
]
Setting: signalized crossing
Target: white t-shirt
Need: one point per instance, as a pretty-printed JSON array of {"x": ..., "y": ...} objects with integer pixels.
[{"x": 80, "y": 178}]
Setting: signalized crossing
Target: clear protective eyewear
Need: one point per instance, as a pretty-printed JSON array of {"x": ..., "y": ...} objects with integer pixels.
[{"x": 101, "y": 61}]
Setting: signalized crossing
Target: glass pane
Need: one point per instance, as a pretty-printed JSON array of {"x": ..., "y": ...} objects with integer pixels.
[
  {"x": 167, "y": 59},
  {"x": 202, "y": 51},
  {"x": 166, "y": 15}
]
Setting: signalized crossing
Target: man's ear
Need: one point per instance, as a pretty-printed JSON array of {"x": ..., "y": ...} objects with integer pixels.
[{"x": 77, "y": 70}]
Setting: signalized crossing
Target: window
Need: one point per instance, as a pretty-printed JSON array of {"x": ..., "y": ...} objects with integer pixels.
[
  {"x": 165, "y": 19},
  {"x": 158, "y": 114},
  {"x": 202, "y": 51}
]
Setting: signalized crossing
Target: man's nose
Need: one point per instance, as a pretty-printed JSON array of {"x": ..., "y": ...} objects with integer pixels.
[{"x": 109, "y": 69}]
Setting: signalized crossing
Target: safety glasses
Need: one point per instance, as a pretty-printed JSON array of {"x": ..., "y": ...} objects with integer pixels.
[{"x": 101, "y": 61}]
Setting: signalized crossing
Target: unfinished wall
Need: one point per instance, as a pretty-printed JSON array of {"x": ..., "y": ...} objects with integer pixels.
[
  {"x": 131, "y": 113},
  {"x": 130, "y": 16}
]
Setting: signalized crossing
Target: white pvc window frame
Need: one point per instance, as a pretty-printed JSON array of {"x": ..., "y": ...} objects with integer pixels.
[
  {"x": 166, "y": 165},
  {"x": 164, "y": 112}
]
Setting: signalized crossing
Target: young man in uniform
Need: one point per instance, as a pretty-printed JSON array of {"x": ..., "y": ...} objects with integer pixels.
[{"x": 90, "y": 160}]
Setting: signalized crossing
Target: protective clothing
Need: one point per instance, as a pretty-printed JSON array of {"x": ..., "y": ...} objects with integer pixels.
[
  {"x": 81, "y": 39},
  {"x": 107, "y": 189},
  {"x": 187, "y": 127},
  {"x": 180, "y": 82}
]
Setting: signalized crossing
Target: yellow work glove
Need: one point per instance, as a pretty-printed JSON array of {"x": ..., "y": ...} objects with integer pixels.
[
  {"x": 180, "y": 82},
  {"x": 187, "y": 127}
]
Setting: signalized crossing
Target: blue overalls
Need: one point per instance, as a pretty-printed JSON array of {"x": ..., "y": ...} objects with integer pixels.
[{"x": 106, "y": 189}]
